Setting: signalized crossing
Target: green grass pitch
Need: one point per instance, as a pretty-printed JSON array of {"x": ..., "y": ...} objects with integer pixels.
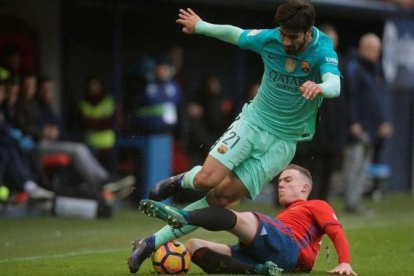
[{"x": 381, "y": 243}]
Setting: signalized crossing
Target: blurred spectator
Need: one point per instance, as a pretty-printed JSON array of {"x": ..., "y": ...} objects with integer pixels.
[
  {"x": 176, "y": 55},
  {"x": 181, "y": 160},
  {"x": 15, "y": 172},
  {"x": 218, "y": 111},
  {"x": 97, "y": 110},
  {"x": 369, "y": 125},
  {"x": 27, "y": 115},
  {"x": 138, "y": 75},
  {"x": 210, "y": 114},
  {"x": 157, "y": 109},
  {"x": 323, "y": 154},
  {"x": 48, "y": 133},
  {"x": 28, "y": 108},
  {"x": 10, "y": 61},
  {"x": 9, "y": 106},
  {"x": 14, "y": 169}
]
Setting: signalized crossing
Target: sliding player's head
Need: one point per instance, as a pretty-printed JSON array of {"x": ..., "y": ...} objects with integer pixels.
[
  {"x": 295, "y": 183},
  {"x": 295, "y": 19}
]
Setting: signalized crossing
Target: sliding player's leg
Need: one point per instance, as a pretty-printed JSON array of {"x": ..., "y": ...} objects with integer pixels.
[
  {"x": 217, "y": 258},
  {"x": 230, "y": 190}
]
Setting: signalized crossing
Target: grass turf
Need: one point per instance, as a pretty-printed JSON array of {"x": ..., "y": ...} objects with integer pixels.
[{"x": 382, "y": 243}]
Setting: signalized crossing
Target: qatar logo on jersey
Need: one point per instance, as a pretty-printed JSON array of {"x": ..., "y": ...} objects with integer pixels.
[{"x": 253, "y": 32}]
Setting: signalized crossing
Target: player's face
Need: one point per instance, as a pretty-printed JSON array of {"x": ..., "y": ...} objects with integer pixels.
[
  {"x": 294, "y": 42},
  {"x": 291, "y": 187}
]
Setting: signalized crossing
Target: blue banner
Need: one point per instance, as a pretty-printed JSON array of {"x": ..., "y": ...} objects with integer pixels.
[{"x": 398, "y": 51}]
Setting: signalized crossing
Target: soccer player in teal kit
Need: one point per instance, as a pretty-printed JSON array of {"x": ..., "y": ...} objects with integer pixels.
[{"x": 300, "y": 69}]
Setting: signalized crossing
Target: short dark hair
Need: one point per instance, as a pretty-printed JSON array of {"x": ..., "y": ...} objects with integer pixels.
[{"x": 296, "y": 15}]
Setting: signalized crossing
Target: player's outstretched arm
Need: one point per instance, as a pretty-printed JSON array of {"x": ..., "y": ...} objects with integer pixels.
[
  {"x": 192, "y": 24},
  {"x": 188, "y": 19},
  {"x": 343, "y": 269}
]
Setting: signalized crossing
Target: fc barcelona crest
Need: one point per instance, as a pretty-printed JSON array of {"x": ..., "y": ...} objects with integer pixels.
[
  {"x": 305, "y": 66},
  {"x": 222, "y": 149},
  {"x": 290, "y": 65}
]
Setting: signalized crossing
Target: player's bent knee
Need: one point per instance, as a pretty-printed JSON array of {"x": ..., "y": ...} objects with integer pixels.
[
  {"x": 204, "y": 181},
  {"x": 220, "y": 200}
]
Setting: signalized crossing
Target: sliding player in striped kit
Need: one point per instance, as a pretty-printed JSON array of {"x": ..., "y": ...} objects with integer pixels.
[{"x": 290, "y": 241}]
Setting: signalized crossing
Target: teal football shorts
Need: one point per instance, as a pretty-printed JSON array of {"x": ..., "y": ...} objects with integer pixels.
[{"x": 253, "y": 154}]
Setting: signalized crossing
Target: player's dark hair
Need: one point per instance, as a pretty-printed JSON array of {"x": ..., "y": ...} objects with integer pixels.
[
  {"x": 296, "y": 15},
  {"x": 300, "y": 169}
]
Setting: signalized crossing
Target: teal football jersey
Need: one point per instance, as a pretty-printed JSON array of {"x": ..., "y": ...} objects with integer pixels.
[{"x": 279, "y": 107}]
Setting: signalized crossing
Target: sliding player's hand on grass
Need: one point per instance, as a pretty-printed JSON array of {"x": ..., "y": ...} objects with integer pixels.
[
  {"x": 343, "y": 269},
  {"x": 188, "y": 18}
]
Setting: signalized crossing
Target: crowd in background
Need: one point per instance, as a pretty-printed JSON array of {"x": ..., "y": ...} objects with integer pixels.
[
  {"x": 349, "y": 138},
  {"x": 37, "y": 143},
  {"x": 352, "y": 128}
]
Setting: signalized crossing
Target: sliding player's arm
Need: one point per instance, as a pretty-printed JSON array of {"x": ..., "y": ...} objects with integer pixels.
[
  {"x": 326, "y": 219},
  {"x": 193, "y": 24},
  {"x": 337, "y": 236}
]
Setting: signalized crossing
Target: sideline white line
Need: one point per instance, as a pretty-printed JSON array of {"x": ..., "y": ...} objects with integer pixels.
[{"x": 57, "y": 256}]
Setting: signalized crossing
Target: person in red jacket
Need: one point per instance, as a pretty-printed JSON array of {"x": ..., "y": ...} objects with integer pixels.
[{"x": 291, "y": 240}]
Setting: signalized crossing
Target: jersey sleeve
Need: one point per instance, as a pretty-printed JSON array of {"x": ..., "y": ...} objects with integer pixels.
[
  {"x": 253, "y": 40},
  {"x": 327, "y": 220},
  {"x": 328, "y": 58},
  {"x": 338, "y": 238},
  {"x": 324, "y": 214},
  {"x": 227, "y": 33}
]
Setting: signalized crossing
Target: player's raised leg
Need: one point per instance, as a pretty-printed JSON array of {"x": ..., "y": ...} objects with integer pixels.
[
  {"x": 202, "y": 178},
  {"x": 175, "y": 217},
  {"x": 167, "y": 187}
]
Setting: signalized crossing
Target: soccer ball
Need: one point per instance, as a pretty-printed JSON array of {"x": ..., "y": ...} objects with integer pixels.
[{"x": 171, "y": 258}]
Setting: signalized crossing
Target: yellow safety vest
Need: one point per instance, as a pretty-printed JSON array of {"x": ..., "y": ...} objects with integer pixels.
[
  {"x": 99, "y": 139},
  {"x": 4, "y": 73}
]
